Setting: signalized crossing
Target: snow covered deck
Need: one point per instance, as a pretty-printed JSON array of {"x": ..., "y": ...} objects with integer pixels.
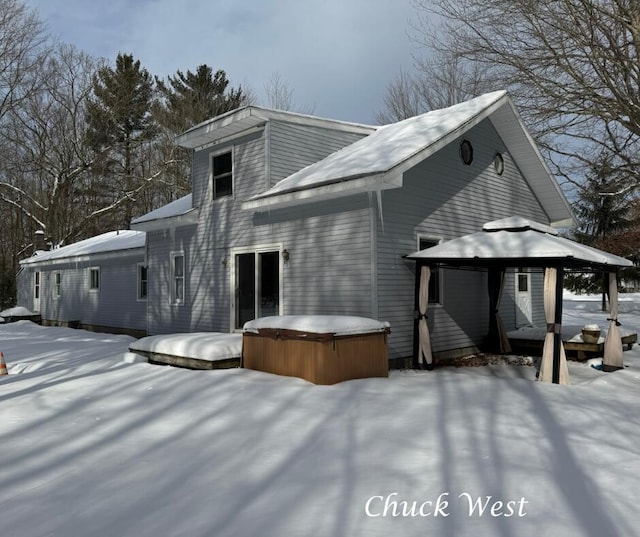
[
  {"x": 200, "y": 350},
  {"x": 18, "y": 313}
]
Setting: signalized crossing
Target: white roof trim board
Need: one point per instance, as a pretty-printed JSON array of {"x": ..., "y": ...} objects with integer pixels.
[
  {"x": 503, "y": 241},
  {"x": 177, "y": 213},
  {"x": 238, "y": 121},
  {"x": 113, "y": 241},
  {"x": 394, "y": 149}
]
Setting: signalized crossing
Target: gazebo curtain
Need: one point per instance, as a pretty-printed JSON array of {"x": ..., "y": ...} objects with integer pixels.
[
  {"x": 424, "y": 341},
  {"x": 553, "y": 329},
  {"x": 498, "y": 340},
  {"x": 612, "y": 358}
]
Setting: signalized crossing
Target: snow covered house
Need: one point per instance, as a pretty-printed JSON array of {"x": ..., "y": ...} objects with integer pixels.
[
  {"x": 299, "y": 215},
  {"x": 99, "y": 284}
]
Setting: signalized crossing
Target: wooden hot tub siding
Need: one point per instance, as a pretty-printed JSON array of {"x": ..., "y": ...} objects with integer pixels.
[{"x": 317, "y": 358}]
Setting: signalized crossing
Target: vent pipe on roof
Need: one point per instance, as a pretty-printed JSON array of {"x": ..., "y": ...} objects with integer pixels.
[{"x": 39, "y": 243}]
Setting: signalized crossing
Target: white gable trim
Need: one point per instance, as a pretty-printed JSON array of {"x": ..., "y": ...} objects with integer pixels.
[
  {"x": 189, "y": 218},
  {"x": 371, "y": 183}
]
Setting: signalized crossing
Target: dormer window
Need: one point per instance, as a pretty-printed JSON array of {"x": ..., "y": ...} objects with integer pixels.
[{"x": 222, "y": 165}]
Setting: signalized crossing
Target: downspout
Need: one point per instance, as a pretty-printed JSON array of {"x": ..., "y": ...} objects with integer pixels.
[{"x": 373, "y": 247}]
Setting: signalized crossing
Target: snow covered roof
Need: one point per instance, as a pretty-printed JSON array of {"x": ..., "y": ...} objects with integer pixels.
[
  {"x": 378, "y": 161},
  {"x": 178, "y": 212},
  {"x": 518, "y": 240},
  {"x": 107, "y": 242},
  {"x": 242, "y": 120}
]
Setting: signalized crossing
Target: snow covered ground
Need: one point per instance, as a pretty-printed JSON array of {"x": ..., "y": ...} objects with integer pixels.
[{"x": 95, "y": 444}]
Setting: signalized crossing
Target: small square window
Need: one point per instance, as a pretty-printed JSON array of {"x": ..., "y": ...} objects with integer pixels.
[
  {"x": 222, "y": 175},
  {"x": 523, "y": 283}
]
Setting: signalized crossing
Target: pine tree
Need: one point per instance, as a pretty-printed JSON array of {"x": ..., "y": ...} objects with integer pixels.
[
  {"x": 186, "y": 100},
  {"x": 191, "y": 98},
  {"x": 603, "y": 208},
  {"x": 120, "y": 124}
]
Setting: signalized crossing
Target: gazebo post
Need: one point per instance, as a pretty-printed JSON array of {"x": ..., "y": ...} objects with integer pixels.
[{"x": 557, "y": 335}]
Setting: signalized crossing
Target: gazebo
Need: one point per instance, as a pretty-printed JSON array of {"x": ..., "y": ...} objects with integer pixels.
[{"x": 518, "y": 242}]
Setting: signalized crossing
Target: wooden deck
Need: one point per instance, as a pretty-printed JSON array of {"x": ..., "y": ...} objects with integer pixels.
[
  {"x": 188, "y": 363},
  {"x": 578, "y": 349}
]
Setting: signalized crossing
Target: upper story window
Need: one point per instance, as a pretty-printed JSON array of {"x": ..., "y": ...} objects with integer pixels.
[{"x": 222, "y": 166}]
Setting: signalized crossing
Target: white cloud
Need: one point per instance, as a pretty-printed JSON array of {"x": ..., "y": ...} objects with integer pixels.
[{"x": 336, "y": 54}]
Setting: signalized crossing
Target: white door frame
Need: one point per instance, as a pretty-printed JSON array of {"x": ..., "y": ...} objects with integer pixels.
[
  {"x": 37, "y": 285},
  {"x": 257, "y": 249},
  {"x": 524, "y": 309}
]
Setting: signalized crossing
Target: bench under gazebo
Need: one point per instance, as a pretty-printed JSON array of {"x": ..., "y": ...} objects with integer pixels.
[{"x": 518, "y": 242}]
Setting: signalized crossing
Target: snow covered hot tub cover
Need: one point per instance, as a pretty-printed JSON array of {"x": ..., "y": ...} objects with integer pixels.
[
  {"x": 338, "y": 325},
  {"x": 323, "y": 349}
]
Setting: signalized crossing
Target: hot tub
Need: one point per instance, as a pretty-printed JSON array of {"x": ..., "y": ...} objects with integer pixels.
[{"x": 323, "y": 349}]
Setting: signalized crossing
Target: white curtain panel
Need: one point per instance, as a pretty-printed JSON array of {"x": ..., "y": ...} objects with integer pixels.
[
  {"x": 613, "y": 343},
  {"x": 546, "y": 367},
  {"x": 424, "y": 350}
]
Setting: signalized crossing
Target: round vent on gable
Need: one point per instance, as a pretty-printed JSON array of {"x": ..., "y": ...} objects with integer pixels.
[
  {"x": 498, "y": 164},
  {"x": 466, "y": 152}
]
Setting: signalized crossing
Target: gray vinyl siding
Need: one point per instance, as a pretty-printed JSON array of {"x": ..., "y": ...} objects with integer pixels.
[
  {"x": 442, "y": 197},
  {"x": 330, "y": 267},
  {"x": 294, "y": 146},
  {"x": 114, "y": 305}
]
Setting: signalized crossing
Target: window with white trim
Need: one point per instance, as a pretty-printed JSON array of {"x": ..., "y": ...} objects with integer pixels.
[
  {"x": 94, "y": 279},
  {"x": 177, "y": 278},
  {"x": 143, "y": 282},
  {"x": 57, "y": 284},
  {"x": 36, "y": 285},
  {"x": 434, "y": 280},
  {"x": 222, "y": 173}
]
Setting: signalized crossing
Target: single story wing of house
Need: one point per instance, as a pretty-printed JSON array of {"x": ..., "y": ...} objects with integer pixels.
[
  {"x": 98, "y": 283},
  {"x": 293, "y": 214}
]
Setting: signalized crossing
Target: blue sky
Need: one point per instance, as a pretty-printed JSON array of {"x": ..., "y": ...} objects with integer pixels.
[{"x": 336, "y": 55}]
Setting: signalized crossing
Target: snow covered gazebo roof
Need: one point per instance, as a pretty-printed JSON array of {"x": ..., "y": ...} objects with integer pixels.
[{"x": 517, "y": 241}]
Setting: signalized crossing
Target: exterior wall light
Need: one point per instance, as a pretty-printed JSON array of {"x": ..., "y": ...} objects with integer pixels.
[{"x": 285, "y": 255}]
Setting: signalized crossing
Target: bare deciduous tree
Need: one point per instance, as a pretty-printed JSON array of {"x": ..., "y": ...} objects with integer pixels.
[
  {"x": 280, "y": 96},
  {"x": 437, "y": 81},
  {"x": 571, "y": 65},
  {"x": 21, "y": 53}
]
